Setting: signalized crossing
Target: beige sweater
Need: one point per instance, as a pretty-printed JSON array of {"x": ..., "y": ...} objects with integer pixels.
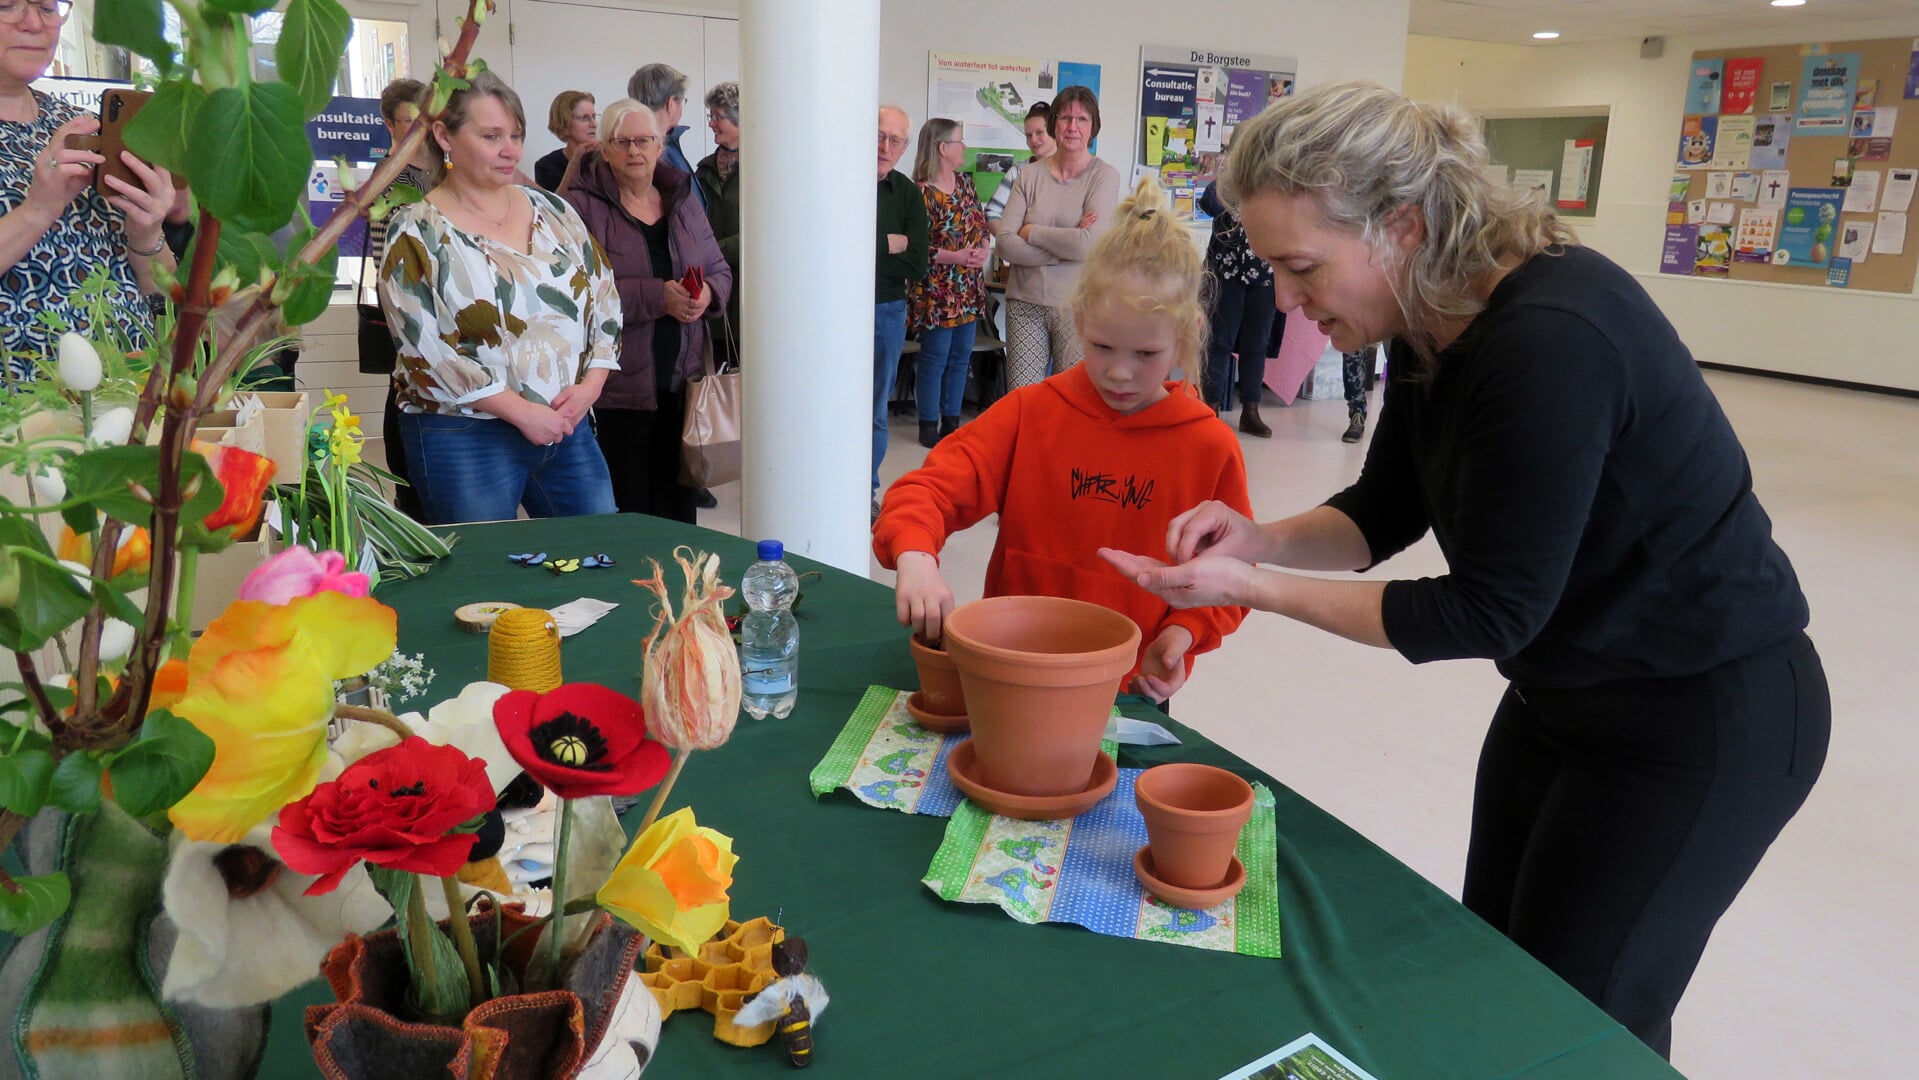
[{"x": 1046, "y": 264}]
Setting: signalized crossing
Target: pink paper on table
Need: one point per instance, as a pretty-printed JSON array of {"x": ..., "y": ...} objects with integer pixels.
[{"x": 1299, "y": 350}]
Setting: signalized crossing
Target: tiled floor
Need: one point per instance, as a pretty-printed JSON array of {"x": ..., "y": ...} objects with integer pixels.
[{"x": 1816, "y": 961}]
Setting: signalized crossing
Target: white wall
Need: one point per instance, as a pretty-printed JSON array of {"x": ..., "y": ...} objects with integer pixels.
[
  {"x": 1806, "y": 330},
  {"x": 1332, "y": 39}
]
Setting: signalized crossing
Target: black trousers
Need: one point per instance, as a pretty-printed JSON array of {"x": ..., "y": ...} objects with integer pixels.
[
  {"x": 642, "y": 451},
  {"x": 405, "y": 497},
  {"x": 1242, "y": 319},
  {"x": 1613, "y": 825}
]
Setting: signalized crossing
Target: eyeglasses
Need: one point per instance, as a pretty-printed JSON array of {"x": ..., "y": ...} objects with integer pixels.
[
  {"x": 892, "y": 140},
  {"x": 627, "y": 146},
  {"x": 13, "y": 11},
  {"x": 952, "y": 142},
  {"x": 591, "y": 118}
]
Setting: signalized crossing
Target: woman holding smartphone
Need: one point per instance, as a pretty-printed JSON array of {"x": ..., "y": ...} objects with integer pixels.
[{"x": 56, "y": 227}]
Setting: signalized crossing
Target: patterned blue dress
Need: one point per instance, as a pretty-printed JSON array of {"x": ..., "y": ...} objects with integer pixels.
[{"x": 88, "y": 234}]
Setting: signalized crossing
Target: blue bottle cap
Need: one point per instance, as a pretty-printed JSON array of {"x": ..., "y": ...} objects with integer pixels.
[{"x": 772, "y": 551}]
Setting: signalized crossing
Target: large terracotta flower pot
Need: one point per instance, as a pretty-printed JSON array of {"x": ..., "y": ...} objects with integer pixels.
[
  {"x": 1040, "y": 675},
  {"x": 1193, "y": 816},
  {"x": 940, "y": 689}
]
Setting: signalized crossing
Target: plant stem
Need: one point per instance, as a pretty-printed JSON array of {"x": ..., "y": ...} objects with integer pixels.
[
  {"x": 556, "y": 929},
  {"x": 30, "y": 678},
  {"x": 416, "y": 931},
  {"x": 375, "y": 716},
  {"x": 666, "y": 785},
  {"x": 462, "y": 931},
  {"x": 183, "y": 602}
]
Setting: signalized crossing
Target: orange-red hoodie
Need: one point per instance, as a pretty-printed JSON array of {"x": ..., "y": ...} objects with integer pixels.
[{"x": 1068, "y": 475}]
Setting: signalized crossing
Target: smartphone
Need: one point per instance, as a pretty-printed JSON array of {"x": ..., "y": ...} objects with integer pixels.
[{"x": 117, "y": 109}]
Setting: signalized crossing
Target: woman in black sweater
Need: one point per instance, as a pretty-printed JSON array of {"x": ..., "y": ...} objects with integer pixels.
[{"x": 1667, "y": 714}]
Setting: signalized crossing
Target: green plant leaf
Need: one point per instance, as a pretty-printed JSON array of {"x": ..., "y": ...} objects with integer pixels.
[
  {"x": 246, "y": 252},
  {"x": 103, "y": 477},
  {"x": 394, "y": 196},
  {"x": 242, "y": 7},
  {"x": 137, "y": 25},
  {"x": 248, "y": 156},
  {"x": 49, "y": 600},
  {"x": 25, "y": 779},
  {"x": 40, "y": 900},
  {"x": 159, "y": 132},
  {"x": 314, "y": 285},
  {"x": 202, "y": 503},
  {"x": 160, "y": 767},
  {"x": 118, "y": 605},
  {"x": 81, "y": 518},
  {"x": 311, "y": 41},
  {"x": 76, "y": 783}
]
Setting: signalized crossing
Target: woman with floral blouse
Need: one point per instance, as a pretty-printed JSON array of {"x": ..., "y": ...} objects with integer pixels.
[
  {"x": 1243, "y": 314},
  {"x": 945, "y": 306},
  {"x": 507, "y": 321}
]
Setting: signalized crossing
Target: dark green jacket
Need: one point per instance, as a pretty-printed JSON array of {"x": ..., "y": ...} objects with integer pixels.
[
  {"x": 902, "y": 209},
  {"x": 722, "y": 207}
]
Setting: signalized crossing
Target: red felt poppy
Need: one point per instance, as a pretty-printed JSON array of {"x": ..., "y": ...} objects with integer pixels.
[
  {"x": 581, "y": 739},
  {"x": 394, "y": 808},
  {"x": 244, "y": 477}
]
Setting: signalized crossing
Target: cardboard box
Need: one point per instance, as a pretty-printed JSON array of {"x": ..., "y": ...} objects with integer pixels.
[{"x": 284, "y": 413}]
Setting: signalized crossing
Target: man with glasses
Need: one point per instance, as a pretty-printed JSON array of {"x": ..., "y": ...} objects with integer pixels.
[{"x": 901, "y": 257}]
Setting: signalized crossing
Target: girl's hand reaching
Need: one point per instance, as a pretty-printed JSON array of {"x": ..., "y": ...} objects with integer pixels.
[{"x": 921, "y": 596}]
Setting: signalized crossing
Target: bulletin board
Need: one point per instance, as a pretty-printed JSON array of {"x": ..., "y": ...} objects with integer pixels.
[
  {"x": 1542, "y": 151},
  {"x": 1190, "y": 100},
  {"x": 1809, "y": 124}
]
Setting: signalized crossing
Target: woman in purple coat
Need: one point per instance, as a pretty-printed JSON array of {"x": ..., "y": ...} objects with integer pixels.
[{"x": 642, "y": 211}]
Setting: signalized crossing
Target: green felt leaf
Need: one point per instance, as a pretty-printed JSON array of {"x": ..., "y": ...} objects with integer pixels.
[
  {"x": 158, "y": 133},
  {"x": 25, "y": 780},
  {"x": 40, "y": 900},
  {"x": 311, "y": 39},
  {"x": 76, "y": 783},
  {"x": 135, "y": 24},
  {"x": 160, "y": 767},
  {"x": 248, "y": 154}
]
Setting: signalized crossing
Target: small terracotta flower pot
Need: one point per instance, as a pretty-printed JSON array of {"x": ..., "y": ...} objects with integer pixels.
[
  {"x": 1193, "y": 816},
  {"x": 1040, "y": 674},
  {"x": 940, "y": 688}
]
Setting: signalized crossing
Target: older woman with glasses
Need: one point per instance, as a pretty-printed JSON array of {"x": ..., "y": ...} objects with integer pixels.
[
  {"x": 642, "y": 211},
  {"x": 56, "y": 226},
  {"x": 945, "y": 307}
]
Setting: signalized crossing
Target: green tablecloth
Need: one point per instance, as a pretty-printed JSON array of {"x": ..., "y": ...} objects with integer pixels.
[{"x": 1378, "y": 962}]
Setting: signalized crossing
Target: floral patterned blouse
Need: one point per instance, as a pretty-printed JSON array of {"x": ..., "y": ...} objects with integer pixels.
[
  {"x": 952, "y": 294},
  {"x": 88, "y": 235},
  {"x": 1228, "y": 254},
  {"x": 472, "y": 317}
]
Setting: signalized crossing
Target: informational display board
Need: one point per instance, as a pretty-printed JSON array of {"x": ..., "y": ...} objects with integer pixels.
[
  {"x": 989, "y": 96},
  {"x": 1190, "y": 100},
  {"x": 1790, "y": 166},
  {"x": 1560, "y": 154}
]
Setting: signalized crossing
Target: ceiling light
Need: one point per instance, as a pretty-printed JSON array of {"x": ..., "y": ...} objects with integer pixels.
[
  {"x": 1788, "y": 3},
  {"x": 1548, "y": 35}
]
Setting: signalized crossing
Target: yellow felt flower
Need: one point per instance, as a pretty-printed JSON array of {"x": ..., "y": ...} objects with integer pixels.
[
  {"x": 671, "y": 884},
  {"x": 260, "y": 685}
]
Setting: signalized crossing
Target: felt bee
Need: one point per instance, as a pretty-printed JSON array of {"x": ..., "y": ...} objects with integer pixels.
[{"x": 795, "y": 1000}]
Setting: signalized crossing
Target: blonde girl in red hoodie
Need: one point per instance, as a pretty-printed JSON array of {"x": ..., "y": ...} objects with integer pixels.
[{"x": 1103, "y": 454}]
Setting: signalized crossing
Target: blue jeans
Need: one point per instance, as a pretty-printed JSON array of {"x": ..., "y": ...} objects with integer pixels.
[
  {"x": 889, "y": 337},
  {"x": 1242, "y": 319},
  {"x": 946, "y": 352},
  {"x": 469, "y": 468}
]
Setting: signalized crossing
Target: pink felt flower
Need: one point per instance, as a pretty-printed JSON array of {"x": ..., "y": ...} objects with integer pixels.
[{"x": 297, "y": 572}]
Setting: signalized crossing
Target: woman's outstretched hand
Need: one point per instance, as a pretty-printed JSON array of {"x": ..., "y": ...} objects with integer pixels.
[{"x": 1208, "y": 581}]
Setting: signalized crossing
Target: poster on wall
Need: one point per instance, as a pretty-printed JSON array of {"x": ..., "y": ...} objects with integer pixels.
[
  {"x": 1681, "y": 248},
  {"x": 1773, "y": 187},
  {"x": 1702, "y": 87},
  {"x": 1742, "y": 84},
  {"x": 1575, "y": 174},
  {"x": 1781, "y": 98},
  {"x": 1809, "y": 226},
  {"x": 1753, "y": 241},
  {"x": 1190, "y": 101},
  {"x": 1732, "y": 149},
  {"x": 1676, "y": 198},
  {"x": 1714, "y": 254},
  {"x": 1839, "y": 273},
  {"x": 1912, "y": 71},
  {"x": 1695, "y": 141},
  {"x": 989, "y": 96},
  {"x": 1869, "y": 149},
  {"x": 1771, "y": 138},
  {"x": 1826, "y": 85}
]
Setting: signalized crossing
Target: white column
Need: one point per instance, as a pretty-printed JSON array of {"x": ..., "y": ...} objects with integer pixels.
[{"x": 809, "y": 94}]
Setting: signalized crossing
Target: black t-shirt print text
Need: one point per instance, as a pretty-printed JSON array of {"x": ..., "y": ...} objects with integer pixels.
[{"x": 1127, "y": 493}]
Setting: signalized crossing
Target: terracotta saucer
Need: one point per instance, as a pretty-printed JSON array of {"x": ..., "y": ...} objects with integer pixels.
[
  {"x": 960, "y": 765},
  {"x": 1196, "y": 899},
  {"x": 932, "y": 721}
]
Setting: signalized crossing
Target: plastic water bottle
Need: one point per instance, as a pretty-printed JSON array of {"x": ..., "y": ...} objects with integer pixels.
[{"x": 769, "y": 636}]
